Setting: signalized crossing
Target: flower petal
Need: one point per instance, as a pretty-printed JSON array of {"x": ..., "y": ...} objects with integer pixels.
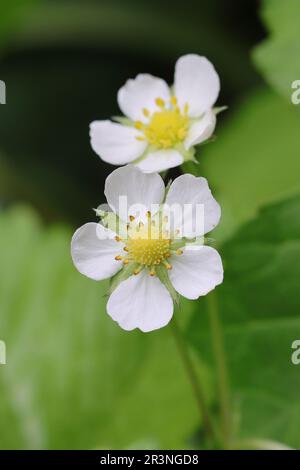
[
  {"x": 191, "y": 207},
  {"x": 160, "y": 160},
  {"x": 129, "y": 191},
  {"x": 93, "y": 250},
  {"x": 141, "y": 302},
  {"x": 140, "y": 93},
  {"x": 197, "y": 83},
  {"x": 201, "y": 130},
  {"x": 196, "y": 272},
  {"x": 115, "y": 143}
]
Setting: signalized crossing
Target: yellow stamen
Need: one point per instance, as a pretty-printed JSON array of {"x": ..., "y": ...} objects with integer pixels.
[
  {"x": 131, "y": 218},
  {"x": 118, "y": 258},
  {"x": 160, "y": 102},
  {"x": 174, "y": 100},
  {"x": 139, "y": 125},
  {"x": 179, "y": 252},
  {"x": 140, "y": 138},
  {"x": 126, "y": 261},
  {"x": 117, "y": 238},
  {"x": 146, "y": 112},
  {"x": 167, "y": 127}
]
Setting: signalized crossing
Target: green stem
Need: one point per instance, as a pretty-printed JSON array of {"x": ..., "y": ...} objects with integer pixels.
[
  {"x": 196, "y": 387},
  {"x": 223, "y": 383}
]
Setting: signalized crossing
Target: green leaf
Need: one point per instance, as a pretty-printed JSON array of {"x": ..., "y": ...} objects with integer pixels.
[
  {"x": 277, "y": 57},
  {"x": 259, "y": 306},
  {"x": 255, "y": 159},
  {"x": 73, "y": 378}
]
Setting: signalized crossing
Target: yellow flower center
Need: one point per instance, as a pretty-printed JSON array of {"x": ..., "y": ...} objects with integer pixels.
[
  {"x": 148, "y": 247},
  {"x": 166, "y": 127}
]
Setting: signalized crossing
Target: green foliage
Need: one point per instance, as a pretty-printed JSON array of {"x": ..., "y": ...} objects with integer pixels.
[
  {"x": 259, "y": 305},
  {"x": 73, "y": 378},
  {"x": 255, "y": 159},
  {"x": 278, "y": 56}
]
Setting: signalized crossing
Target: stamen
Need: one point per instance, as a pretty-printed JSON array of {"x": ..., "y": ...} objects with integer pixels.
[
  {"x": 152, "y": 273},
  {"x": 138, "y": 125},
  {"x": 167, "y": 265},
  {"x": 174, "y": 100},
  {"x": 126, "y": 261},
  {"x": 146, "y": 112},
  {"x": 140, "y": 138},
  {"x": 118, "y": 258},
  {"x": 131, "y": 218},
  {"x": 179, "y": 252},
  {"x": 117, "y": 238},
  {"x": 186, "y": 108},
  {"x": 137, "y": 271},
  {"x": 148, "y": 214},
  {"x": 125, "y": 248},
  {"x": 160, "y": 102}
]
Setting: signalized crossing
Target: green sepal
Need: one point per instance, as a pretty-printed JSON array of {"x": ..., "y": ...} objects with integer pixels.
[
  {"x": 163, "y": 276},
  {"x": 219, "y": 109},
  {"x": 113, "y": 222},
  {"x": 122, "y": 275},
  {"x": 123, "y": 120}
]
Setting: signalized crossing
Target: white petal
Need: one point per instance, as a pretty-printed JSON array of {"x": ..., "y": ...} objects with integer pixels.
[
  {"x": 115, "y": 143},
  {"x": 129, "y": 191},
  {"x": 196, "y": 272},
  {"x": 141, "y": 302},
  {"x": 191, "y": 206},
  {"x": 141, "y": 93},
  {"x": 201, "y": 130},
  {"x": 197, "y": 83},
  {"x": 160, "y": 160},
  {"x": 93, "y": 250}
]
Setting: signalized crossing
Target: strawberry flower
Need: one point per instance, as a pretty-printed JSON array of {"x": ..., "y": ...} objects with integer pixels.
[
  {"x": 153, "y": 250},
  {"x": 162, "y": 125}
]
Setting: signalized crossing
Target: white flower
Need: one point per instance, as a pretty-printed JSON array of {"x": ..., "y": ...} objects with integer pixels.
[
  {"x": 150, "y": 252},
  {"x": 162, "y": 124}
]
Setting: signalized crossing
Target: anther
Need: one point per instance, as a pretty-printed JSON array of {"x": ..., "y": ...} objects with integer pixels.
[
  {"x": 117, "y": 238},
  {"x": 174, "y": 100},
  {"x": 131, "y": 218},
  {"x": 138, "y": 125},
  {"x": 118, "y": 258},
  {"x": 146, "y": 112},
  {"x": 126, "y": 261},
  {"x": 179, "y": 252},
  {"x": 136, "y": 272},
  {"x": 125, "y": 248},
  {"x": 160, "y": 102}
]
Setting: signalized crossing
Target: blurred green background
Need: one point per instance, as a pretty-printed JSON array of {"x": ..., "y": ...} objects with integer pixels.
[{"x": 73, "y": 378}]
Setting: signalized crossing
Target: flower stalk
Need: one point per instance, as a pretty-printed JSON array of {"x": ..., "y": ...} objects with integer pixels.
[
  {"x": 195, "y": 383},
  {"x": 222, "y": 373}
]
